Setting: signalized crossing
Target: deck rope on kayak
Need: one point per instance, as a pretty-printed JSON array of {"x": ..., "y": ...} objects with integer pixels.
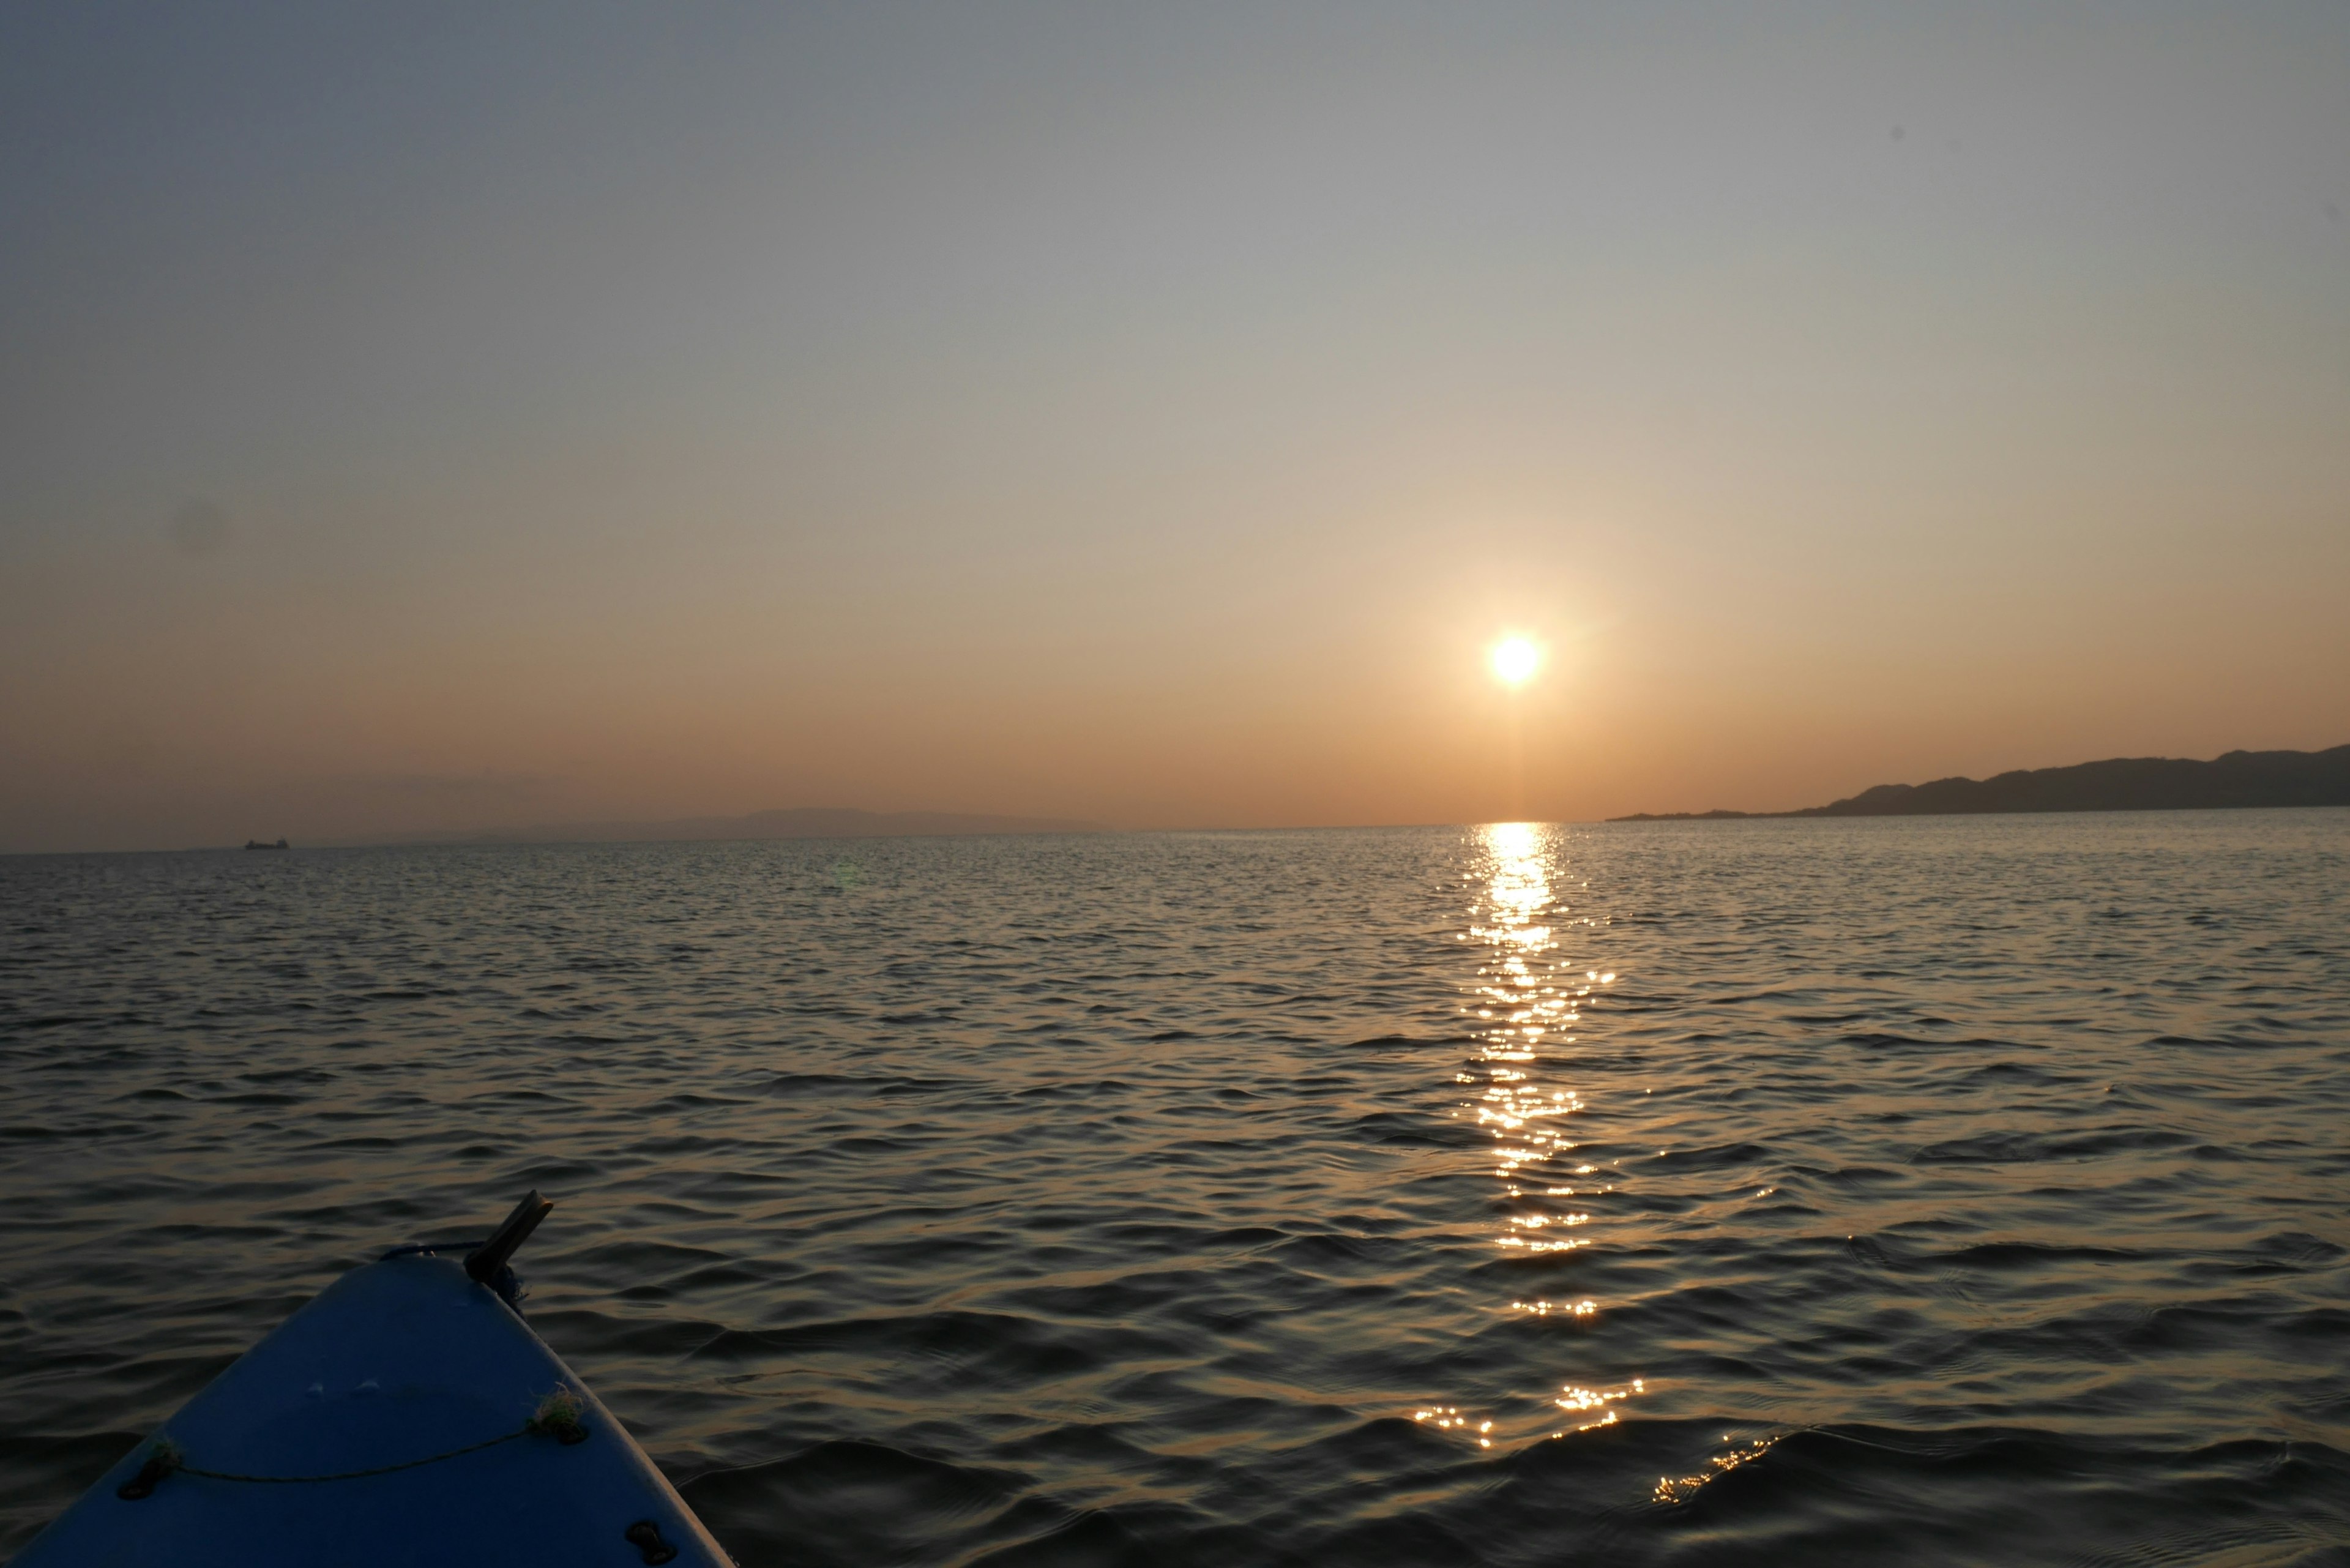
[{"x": 557, "y": 1417}]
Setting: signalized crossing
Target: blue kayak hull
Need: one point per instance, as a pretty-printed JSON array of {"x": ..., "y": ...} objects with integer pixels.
[{"x": 393, "y": 1421}]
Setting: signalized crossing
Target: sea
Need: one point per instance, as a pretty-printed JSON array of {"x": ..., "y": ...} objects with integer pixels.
[{"x": 1927, "y": 1190}]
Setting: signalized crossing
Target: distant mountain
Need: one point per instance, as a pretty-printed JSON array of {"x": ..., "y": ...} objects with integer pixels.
[
  {"x": 2123, "y": 783},
  {"x": 806, "y": 822}
]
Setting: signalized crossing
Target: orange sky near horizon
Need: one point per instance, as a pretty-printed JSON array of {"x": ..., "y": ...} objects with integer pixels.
[{"x": 1155, "y": 420}]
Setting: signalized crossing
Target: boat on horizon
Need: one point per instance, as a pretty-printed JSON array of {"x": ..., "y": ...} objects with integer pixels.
[
  {"x": 406, "y": 1415},
  {"x": 256, "y": 843}
]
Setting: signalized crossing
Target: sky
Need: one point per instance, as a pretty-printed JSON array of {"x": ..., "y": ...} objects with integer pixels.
[{"x": 427, "y": 417}]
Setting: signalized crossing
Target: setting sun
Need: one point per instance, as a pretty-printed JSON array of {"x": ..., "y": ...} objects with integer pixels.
[{"x": 1514, "y": 660}]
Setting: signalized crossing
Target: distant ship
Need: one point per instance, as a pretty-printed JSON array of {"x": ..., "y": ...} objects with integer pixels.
[{"x": 256, "y": 843}]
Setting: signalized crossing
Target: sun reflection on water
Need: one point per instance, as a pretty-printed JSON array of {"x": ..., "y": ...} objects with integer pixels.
[
  {"x": 1523, "y": 1007},
  {"x": 1680, "y": 1489}
]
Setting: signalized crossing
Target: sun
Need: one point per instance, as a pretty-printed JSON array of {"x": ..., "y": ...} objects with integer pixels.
[{"x": 1514, "y": 660}]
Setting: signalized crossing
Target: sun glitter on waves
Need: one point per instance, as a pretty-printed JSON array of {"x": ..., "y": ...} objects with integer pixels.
[{"x": 1525, "y": 1006}]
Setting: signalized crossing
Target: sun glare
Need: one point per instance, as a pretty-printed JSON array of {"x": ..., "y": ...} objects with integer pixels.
[{"x": 1514, "y": 660}]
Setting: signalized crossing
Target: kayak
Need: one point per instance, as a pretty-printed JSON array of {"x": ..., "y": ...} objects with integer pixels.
[{"x": 406, "y": 1415}]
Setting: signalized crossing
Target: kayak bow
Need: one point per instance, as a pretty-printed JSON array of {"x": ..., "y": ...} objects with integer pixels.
[{"x": 406, "y": 1415}]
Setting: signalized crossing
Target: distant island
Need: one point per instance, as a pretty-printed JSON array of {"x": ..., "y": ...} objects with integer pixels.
[
  {"x": 809, "y": 822},
  {"x": 2237, "y": 779}
]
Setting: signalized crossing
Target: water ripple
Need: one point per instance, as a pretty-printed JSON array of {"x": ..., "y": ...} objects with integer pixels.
[{"x": 1944, "y": 1190}]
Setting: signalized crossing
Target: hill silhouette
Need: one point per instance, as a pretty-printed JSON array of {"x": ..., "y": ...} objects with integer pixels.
[{"x": 2236, "y": 779}]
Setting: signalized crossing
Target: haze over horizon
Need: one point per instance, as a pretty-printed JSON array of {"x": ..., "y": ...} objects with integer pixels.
[{"x": 438, "y": 420}]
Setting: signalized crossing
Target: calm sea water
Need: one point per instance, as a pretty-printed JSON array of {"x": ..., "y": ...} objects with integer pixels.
[{"x": 1942, "y": 1191}]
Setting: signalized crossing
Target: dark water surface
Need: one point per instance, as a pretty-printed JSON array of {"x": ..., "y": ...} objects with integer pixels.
[{"x": 1952, "y": 1190}]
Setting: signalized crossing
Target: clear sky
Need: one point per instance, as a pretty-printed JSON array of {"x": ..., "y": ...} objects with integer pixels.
[{"x": 421, "y": 416}]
